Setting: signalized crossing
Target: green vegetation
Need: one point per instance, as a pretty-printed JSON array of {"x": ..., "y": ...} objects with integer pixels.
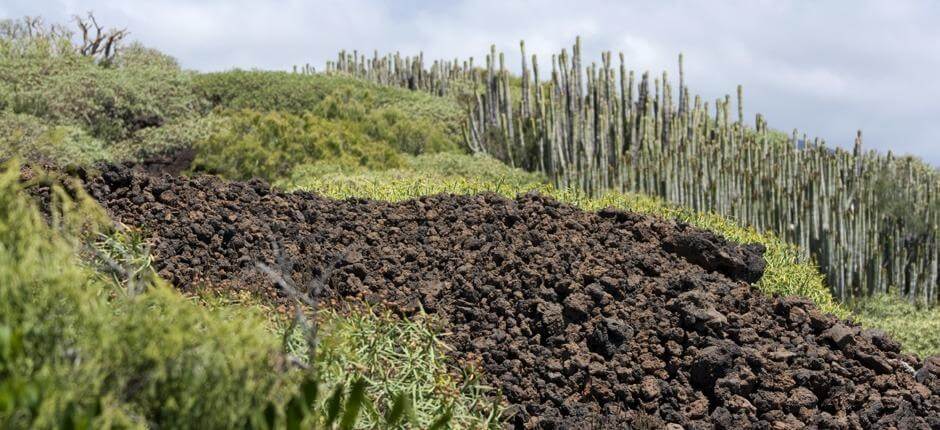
[
  {"x": 271, "y": 122},
  {"x": 368, "y": 344},
  {"x": 250, "y": 144},
  {"x": 78, "y": 348},
  {"x": 397, "y": 359},
  {"x": 31, "y": 137},
  {"x": 330, "y": 97},
  {"x": 916, "y": 328},
  {"x": 56, "y": 101},
  {"x": 90, "y": 336},
  {"x": 426, "y": 174}
]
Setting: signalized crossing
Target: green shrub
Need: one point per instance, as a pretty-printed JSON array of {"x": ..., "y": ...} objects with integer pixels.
[
  {"x": 329, "y": 96},
  {"x": 180, "y": 134},
  {"x": 141, "y": 89},
  {"x": 368, "y": 344},
  {"x": 85, "y": 350},
  {"x": 408, "y": 134},
  {"x": 251, "y": 144},
  {"x": 400, "y": 360},
  {"x": 413, "y": 136},
  {"x": 31, "y": 138}
]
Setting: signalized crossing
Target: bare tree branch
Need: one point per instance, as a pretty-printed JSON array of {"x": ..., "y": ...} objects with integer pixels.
[{"x": 96, "y": 41}]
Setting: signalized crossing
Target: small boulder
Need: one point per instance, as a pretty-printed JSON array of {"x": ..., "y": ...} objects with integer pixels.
[
  {"x": 929, "y": 374},
  {"x": 840, "y": 335},
  {"x": 712, "y": 363}
]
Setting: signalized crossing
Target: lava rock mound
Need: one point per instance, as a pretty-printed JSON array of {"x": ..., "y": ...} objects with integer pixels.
[{"x": 597, "y": 320}]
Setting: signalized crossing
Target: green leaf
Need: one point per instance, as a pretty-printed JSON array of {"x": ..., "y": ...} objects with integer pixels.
[
  {"x": 443, "y": 421},
  {"x": 309, "y": 390},
  {"x": 397, "y": 411},
  {"x": 353, "y": 404},
  {"x": 333, "y": 404},
  {"x": 270, "y": 415},
  {"x": 295, "y": 413}
]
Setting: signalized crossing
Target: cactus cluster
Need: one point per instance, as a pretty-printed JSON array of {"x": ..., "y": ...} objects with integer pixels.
[
  {"x": 869, "y": 220},
  {"x": 405, "y": 72}
]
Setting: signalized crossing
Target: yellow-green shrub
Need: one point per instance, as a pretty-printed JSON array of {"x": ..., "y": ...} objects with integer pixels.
[
  {"x": 251, "y": 144},
  {"x": 331, "y": 96}
]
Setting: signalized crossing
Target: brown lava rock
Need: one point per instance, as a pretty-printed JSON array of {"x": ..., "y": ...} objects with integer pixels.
[{"x": 607, "y": 319}]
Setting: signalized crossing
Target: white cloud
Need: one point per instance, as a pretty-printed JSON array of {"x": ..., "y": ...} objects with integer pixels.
[{"x": 824, "y": 67}]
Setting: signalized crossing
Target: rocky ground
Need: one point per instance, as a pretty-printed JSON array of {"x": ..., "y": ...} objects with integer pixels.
[{"x": 582, "y": 319}]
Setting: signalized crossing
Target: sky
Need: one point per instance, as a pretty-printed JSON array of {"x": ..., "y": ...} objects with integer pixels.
[{"x": 826, "y": 68}]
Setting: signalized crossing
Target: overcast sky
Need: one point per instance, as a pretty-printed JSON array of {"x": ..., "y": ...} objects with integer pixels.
[{"x": 826, "y": 68}]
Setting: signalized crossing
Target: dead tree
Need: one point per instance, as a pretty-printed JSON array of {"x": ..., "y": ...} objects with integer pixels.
[
  {"x": 31, "y": 27},
  {"x": 98, "y": 42}
]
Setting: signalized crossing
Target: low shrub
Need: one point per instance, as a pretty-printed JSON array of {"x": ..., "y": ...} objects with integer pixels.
[
  {"x": 369, "y": 344},
  {"x": 78, "y": 349},
  {"x": 330, "y": 96},
  {"x": 436, "y": 170},
  {"x": 142, "y": 89},
  {"x": 29, "y": 137},
  {"x": 180, "y": 134},
  {"x": 250, "y": 144}
]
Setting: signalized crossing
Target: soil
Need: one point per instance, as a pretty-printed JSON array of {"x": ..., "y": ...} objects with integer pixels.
[{"x": 583, "y": 320}]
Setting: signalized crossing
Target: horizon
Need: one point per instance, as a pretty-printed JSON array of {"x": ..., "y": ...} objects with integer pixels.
[{"x": 825, "y": 69}]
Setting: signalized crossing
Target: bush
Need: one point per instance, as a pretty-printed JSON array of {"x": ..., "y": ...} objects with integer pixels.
[
  {"x": 177, "y": 135},
  {"x": 329, "y": 96},
  {"x": 268, "y": 145},
  {"x": 408, "y": 134},
  {"x": 30, "y": 138},
  {"x": 76, "y": 349},
  {"x": 141, "y": 89},
  {"x": 368, "y": 344}
]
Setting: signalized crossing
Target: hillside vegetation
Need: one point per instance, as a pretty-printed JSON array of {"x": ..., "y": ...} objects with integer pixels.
[
  {"x": 328, "y": 129},
  {"x": 89, "y": 335}
]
